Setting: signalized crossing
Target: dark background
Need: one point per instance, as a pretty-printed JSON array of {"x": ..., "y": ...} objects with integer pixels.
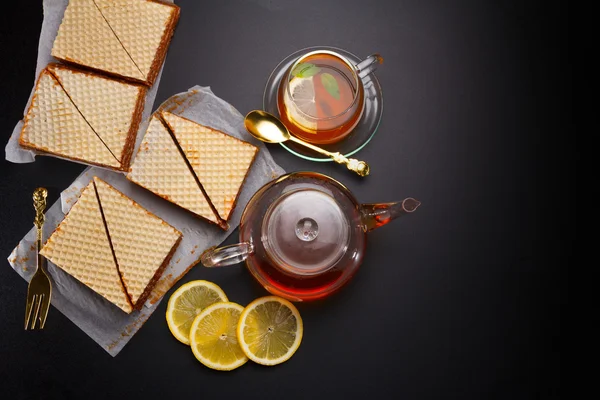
[{"x": 462, "y": 299}]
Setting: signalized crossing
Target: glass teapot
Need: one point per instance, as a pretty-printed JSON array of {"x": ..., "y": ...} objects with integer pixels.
[{"x": 303, "y": 235}]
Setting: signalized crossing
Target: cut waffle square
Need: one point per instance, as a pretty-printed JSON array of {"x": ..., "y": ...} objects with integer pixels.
[
  {"x": 160, "y": 167},
  {"x": 220, "y": 161},
  {"x": 113, "y": 245},
  {"x": 125, "y": 38},
  {"x": 84, "y": 117}
]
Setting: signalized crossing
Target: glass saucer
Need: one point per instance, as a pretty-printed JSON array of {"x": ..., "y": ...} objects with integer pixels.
[{"x": 360, "y": 135}]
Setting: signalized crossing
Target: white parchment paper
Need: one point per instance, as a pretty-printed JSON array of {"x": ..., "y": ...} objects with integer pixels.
[
  {"x": 53, "y": 13},
  {"x": 102, "y": 321},
  {"x": 110, "y": 327}
]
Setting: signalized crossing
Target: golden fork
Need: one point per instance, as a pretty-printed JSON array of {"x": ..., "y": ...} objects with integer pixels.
[{"x": 39, "y": 291}]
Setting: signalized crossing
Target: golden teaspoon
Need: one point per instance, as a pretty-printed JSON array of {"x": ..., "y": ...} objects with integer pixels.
[{"x": 268, "y": 128}]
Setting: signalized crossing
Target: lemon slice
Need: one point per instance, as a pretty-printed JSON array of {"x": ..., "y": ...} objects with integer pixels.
[
  {"x": 187, "y": 302},
  {"x": 270, "y": 330},
  {"x": 213, "y": 337},
  {"x": 300, "y": 102}
]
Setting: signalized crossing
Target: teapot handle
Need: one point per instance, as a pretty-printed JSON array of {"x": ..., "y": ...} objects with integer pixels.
[{"x": 228, "y": 255}]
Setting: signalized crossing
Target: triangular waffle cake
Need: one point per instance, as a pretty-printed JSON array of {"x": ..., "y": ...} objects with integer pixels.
[
  {"x": 144, "y": 28},
  {"x": 85, "y": 38},
  {"x": 220, "y": 161},
  {"x": 80, "y": 246},
  {"x": 113, "y": 108},
  {"x": 126, "y": 38},
  {"x": 159, "y": 167},
  {"x": 143, "y": 244},
  {"x": 113, "y": 245},
  {"x": 54, "y": 125},
  {"x": 109, "y": 109}
]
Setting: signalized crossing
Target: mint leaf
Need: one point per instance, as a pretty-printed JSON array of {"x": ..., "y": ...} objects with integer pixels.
[
  {"x": 331, "y": 85},
  {"x": 305, "y": 70}
]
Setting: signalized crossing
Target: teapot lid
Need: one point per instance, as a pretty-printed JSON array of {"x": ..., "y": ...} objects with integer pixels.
[{"x": 305, "y": 231}]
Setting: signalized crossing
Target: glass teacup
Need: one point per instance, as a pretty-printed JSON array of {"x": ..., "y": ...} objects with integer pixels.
[{"x": 321, "y": 98}]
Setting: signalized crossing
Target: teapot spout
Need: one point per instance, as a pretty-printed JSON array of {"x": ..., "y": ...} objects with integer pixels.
[{"x": 379, "y": 214}]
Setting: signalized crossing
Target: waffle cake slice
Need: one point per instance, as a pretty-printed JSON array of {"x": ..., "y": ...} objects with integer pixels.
[
  {"x": 112, "y": 107},
  {"x": 137, "y": 32},
  {"x": 160, "y": 167},
  {"x": 86, "y": 39},
  {"x": 69, "y": 104},
  {"x": 220, "y": 161},
  {"x": 80, "y": 246},
  {"x": 143, "y": 244},
  {"x": 144, "y": 28},
  {"x": 112, "y": 245},
  {"x": 54, "y": 125}
]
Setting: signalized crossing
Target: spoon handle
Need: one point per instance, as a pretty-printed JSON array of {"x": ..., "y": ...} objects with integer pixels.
[{"x": 360, "y": 167}]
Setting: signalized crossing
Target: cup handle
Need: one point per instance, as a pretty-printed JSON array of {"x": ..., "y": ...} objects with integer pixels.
[
  {"x": 228, "y": 255},
  {"x": 368, "y": 65}
]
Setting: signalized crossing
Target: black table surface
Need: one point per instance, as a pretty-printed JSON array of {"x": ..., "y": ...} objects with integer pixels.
[{"x": 462, "y": 299}]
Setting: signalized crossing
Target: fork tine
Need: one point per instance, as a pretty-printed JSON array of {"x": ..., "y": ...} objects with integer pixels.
[
  {"x": 38, "y": 300},
  {"x": 45, "y": 305},
  {"x": 30, "y": 322},
  {"x": 28, "y": 309}
]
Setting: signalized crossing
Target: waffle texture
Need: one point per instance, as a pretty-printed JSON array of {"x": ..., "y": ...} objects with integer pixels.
[
  {"x": 159, "y": 167},
  {"x": 54, "y": 125},
  {"x": 127, "y": 38},
  {"x": 86, "y": 39},
  {"x": 80, "y": 246},
  {"x": 141, "y": 241},
  {"x": 221, "y": 162},
  {"x": 113, "y": 108},
  {"x": 147, "y": 38}
]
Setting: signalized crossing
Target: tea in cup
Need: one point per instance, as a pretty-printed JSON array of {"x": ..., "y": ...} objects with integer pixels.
[{"x": 321, "y": 98}]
